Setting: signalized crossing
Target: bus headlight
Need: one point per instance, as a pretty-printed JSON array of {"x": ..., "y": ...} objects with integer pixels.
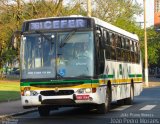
[
  {"x": 27, "y": 93},
  {"x": 34, "y": 93},
  {"x": 30, "y": 93},
  {"x": 84, "y": 90},
  {"x": 88, "y": 90}
]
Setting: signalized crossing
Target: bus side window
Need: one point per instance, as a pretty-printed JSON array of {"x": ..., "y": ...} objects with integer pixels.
[
  {"x": 135, "y": 49},
  {"x": 127, "y": 44},
  {"x": 131, "y": 45},
  {"x": 106, "y": 37},
  {"x": 114, "y": 40},
  {"x": 119, "y": 42},
  {"x": 118, "y": 54},
  {"x": 118, "y": 49},
  {"x": 100, "y": 53},
  {"x": 138, "y": 52},
  {"x": 123, "y": 43},
  {"x": 134, "y": 46},
  {"x": 108, "y": 52},
  {"x": 123, "y": 49},
  {"x": 128, "y": 48},
  {"x": 113, "y": 46},
  {"x": 108, "y": 47},
  {"x": 132, "y": 52}
]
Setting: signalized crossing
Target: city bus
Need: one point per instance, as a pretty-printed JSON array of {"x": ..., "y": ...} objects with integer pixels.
[{"x": 77, "y": 61}]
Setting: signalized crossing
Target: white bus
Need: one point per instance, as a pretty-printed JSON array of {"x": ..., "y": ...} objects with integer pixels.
[{"x": 78, "y": 61}]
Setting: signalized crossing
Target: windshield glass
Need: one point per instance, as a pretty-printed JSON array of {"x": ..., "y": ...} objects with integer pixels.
[
  {"x": 37, "y": 56},
  {"x": 57, "y": 55}
]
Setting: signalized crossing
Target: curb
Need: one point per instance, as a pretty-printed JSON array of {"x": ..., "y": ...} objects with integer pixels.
[{"x": 17, "y": 114}]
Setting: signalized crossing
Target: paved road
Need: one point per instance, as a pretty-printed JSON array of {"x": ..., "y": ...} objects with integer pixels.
[{"x": 144, "y": 110}]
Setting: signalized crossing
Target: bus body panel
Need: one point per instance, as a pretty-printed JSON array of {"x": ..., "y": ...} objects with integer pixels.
[
  {"x": 94, "y": 98},
  {"x": 120, "y": 73}
]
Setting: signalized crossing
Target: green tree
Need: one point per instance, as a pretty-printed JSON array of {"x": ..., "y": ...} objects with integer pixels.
[{"x": 153, "y": 46}]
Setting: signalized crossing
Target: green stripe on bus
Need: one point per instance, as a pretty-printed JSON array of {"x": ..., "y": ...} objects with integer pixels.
[
  {"x": 55, "y": 82},
  {"x": 132, "y": 75},
  {"x": 107, "y": 76},
  {"x": 139, "y": 75},
  {"x": 135, "y": 75}
]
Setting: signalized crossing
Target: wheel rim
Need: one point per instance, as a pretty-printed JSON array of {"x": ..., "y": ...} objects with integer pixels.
[
  {"x": 132, "y": 93},
  {"x": 107, "y": 100}
]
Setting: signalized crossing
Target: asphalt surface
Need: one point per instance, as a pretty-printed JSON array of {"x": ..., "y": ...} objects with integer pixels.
[{"x": 145, "y": 110}]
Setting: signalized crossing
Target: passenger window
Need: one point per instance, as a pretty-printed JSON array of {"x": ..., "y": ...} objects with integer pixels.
[
  {"x": 113, "y": 47},
  {"x": 132, "y": 46},
  {"x": 132, "y": 57},
  {"x": 111, "y": 38},
  {"x": 107, "y": 37},
  {"x": 113, "y": 53},
  {"x": 135, "y": 48},
  {"x": 119, "y": 42},
  {"x": 108, "y": 52},
  {"x": 123, "y": 43},
  {"x": 119, "y": 54},
  {"x": 114, "y": 39},
  {"x": 122, "y": 55},
  {"x": 127, "y": 44}
]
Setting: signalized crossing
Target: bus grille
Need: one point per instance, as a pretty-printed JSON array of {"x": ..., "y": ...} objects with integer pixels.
[
  {"x": 58, "y": 101},
  {"x": 58, "y": 93}
]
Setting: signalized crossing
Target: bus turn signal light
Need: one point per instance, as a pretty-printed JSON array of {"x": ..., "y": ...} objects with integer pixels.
[{"x": 93, "y": 90}]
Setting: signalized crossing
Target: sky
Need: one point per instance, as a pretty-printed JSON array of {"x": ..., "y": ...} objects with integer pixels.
[{"x": 149, "y": 12}]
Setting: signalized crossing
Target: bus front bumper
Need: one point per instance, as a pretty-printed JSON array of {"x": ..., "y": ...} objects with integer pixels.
[{"x": 64, "y": 100}]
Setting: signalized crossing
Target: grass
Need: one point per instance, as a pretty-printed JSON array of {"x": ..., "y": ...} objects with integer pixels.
[{"x": 9, "y": 90}]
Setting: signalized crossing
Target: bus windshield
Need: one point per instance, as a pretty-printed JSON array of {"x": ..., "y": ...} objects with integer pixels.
[{"x": 57, "y": 55}]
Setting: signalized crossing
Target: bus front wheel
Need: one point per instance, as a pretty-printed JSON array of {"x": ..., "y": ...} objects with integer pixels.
[
  {"x": 43, "y": 111},
  {"x": 105, "y": 107}
]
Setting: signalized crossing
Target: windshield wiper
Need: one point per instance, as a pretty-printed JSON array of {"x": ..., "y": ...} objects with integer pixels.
[
  {"x": 43, "y": 35},
  {"x": 59, "y": 76},
  {"x": 66, "y": 38}
]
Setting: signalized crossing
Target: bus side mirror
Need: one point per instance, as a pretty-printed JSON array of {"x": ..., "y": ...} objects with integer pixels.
[
  {"x": 15, "y": 39},
  {"x": 100, "y": 39}
]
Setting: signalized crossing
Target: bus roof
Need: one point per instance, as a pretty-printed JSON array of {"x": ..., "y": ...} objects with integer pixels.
[
  {"x": 98, "y": 22},
  {"x": 115, "y": 29},
  {"x": 74, "y": 16}
]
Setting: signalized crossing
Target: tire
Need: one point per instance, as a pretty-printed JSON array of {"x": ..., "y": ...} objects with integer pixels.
[
  {"x": 105, "y": 107},
  {"x": 120, "y": 102},
  {"x": 43, "y": 111},
  {"x": 129, "y": 101}
]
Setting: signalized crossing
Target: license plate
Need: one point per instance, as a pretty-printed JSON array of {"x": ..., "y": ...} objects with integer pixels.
[{"x": 82, "y": 97}]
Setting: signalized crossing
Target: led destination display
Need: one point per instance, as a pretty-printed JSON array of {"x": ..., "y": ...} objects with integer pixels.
[{"x": 57, "y": 24}]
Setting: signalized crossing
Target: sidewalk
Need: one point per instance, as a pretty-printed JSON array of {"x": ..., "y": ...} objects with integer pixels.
[
  {"x": 12, "y": 108},
  {"x": 154, "y": 82}
]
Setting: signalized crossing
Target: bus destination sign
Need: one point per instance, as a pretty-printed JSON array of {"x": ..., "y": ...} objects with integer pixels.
[{"x": 57, "y": 24}]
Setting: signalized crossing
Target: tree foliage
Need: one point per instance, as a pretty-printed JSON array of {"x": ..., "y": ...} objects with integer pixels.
[
  {"x": 13, "y": 14},
  {"x": 153, "y": 46},
  {"x": 118, "y": 12}
]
